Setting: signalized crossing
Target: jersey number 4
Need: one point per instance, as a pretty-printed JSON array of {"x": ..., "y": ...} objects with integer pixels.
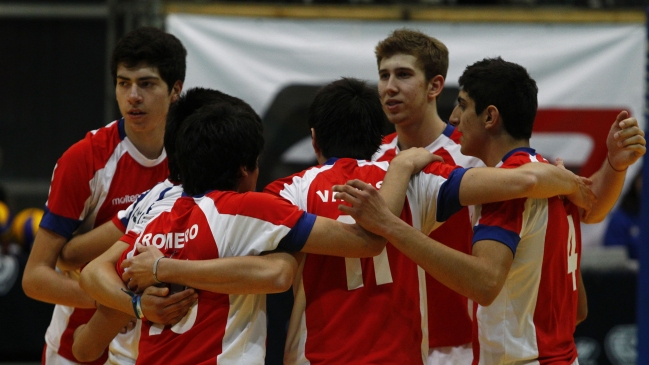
[{"x": 354, "y": 269}]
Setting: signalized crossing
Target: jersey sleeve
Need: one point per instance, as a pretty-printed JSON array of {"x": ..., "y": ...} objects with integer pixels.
[
  {"x": 502, "y": 222},
  {"x": 434, "y": 194},
  {"x": 259, "y": 223},
  {"x": 290, "y": 189},
  {"x": 70, "y": 192}
]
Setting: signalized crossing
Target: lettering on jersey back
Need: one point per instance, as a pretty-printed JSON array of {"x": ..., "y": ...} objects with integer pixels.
[
  {"x": 325, "y": 194},
  {"x": 169, "y": 240}
]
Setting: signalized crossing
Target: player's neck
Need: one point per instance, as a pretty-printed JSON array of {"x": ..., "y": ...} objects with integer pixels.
[
  {"x": 150, "y": 144},
  {"x": 498, "y": 147},
  {"x": 420, "y": 134}
]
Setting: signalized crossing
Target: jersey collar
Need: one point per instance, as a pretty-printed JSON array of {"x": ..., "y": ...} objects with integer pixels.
[{"x": 529, "y": 150}]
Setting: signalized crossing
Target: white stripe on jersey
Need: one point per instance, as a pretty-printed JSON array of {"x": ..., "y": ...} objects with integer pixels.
[
  {"x": 99, "y": 185},
  {"x": 506, "y": 327},
  {"x": 238, "y": 235},
  {"x": 298, "y": 196},
  {"x": 239, "y": 347},
  {"x": 295, "y": 348}
]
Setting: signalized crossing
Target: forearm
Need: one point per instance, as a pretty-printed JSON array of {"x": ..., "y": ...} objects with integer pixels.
[
  {"x": 329, "y": 237},
  {"x": 85, "y": 247},
  {"x": 42, "y": 282},
  {"x": 607, "y": 186},
  {"x": 394, "y": 187},
  {"x": 102, "y": 282},
  {"x": 48, "y": 285},
  {"x": 272, "y": 273},
  {"x": 468, "y": 275},
  {"x": 104, "y": 285},
  {"x": 533, "y": 180},
  {"x": 93, "y": 338}
]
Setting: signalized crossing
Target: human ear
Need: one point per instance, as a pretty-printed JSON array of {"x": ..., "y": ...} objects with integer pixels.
[
  {"x": 435, "y": 86},
  {"x": 492, "y": 116},
  {"x": 176, "y": 90}
]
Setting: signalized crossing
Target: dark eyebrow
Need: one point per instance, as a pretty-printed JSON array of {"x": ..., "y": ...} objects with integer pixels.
[
  {"x": 397, "y": 69},
  {"x": 145, "y": 78}
]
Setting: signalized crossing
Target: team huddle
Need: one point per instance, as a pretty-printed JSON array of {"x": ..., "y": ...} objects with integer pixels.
[{"x": 442, "y": 243}]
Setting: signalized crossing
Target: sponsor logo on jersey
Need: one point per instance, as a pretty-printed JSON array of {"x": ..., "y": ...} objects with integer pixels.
[
  {"x": 126, "y": 199},
  {"x": 168, "y": 240}
]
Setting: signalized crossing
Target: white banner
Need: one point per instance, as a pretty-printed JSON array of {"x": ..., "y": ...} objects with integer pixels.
[{"x": 577, "y": 67}]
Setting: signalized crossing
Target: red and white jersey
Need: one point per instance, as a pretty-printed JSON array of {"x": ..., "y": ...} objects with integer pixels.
[
  {"x": 449, "y": 317},
  {"x": 533, "y": 318},
  {"x": 123, "y": 348},
  {"x": 93, "y": 180},
  {"x": 369, "y": 310},
  {"x": 219, "y": 328}
]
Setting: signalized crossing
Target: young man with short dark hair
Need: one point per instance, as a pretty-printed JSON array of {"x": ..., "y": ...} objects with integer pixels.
[{"x": 104, "y": 173}]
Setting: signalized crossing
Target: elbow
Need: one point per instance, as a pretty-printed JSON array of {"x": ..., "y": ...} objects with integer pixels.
[
  {"x": 487, "y": 293},
  {"x": 284, "y": 275},
  {"x": 377, "y": 246},
  {"x": 84, "y": 352},
  {"x": 582, "y": 313},
  {"x": 30, "y": 286},
  {"x": 529, "y": 184},
  {"x": 283, "y": 281},
  {"x": 593, "y": 218}
]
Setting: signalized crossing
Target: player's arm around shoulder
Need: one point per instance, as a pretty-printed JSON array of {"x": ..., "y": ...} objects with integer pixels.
[
  {"x": 481, "y": 185},
  {"x": 342, "y": 237},
  {"x": 272, "y": 272}
]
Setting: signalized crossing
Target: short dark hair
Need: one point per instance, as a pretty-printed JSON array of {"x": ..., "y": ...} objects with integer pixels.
[
  {"x": 508, "y": 87},
  {"x": 190, "y": 101},
  {"x": 431, "y": 54},
  {"x": 348, "y": 119},
  {"x": 152, "y": 47},
  {"x": 213, "y": 144}
]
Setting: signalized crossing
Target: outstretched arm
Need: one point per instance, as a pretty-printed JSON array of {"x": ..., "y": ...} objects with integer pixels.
[
  {"x": 626, "y": 144},
  {"x": 485, "y": 184},
  {"x": 270, "y": 273}
]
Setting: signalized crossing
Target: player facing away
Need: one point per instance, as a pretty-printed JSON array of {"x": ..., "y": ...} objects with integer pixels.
[
  {"x": 104, "y": 173},
  {"x": 216, "y": 224},
  {"x": 373, "y": 310},
  {"x": 85, "y": 247},
  {"x": 524, "y": 271},
  {"x": 412, "y": 71}
]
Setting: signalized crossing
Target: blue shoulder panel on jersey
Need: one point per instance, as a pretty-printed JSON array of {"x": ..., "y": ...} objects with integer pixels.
[
  {"x": 58, "y": 224},
  {"x": 496, "y": 233},
  {"x": 448, "y": 130},
  {"x": 121, "y": 129},
  {"x": 295, "y": 240},
  {"x": 529, "y": 150},
  {"x": 448, "y": 200}
]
